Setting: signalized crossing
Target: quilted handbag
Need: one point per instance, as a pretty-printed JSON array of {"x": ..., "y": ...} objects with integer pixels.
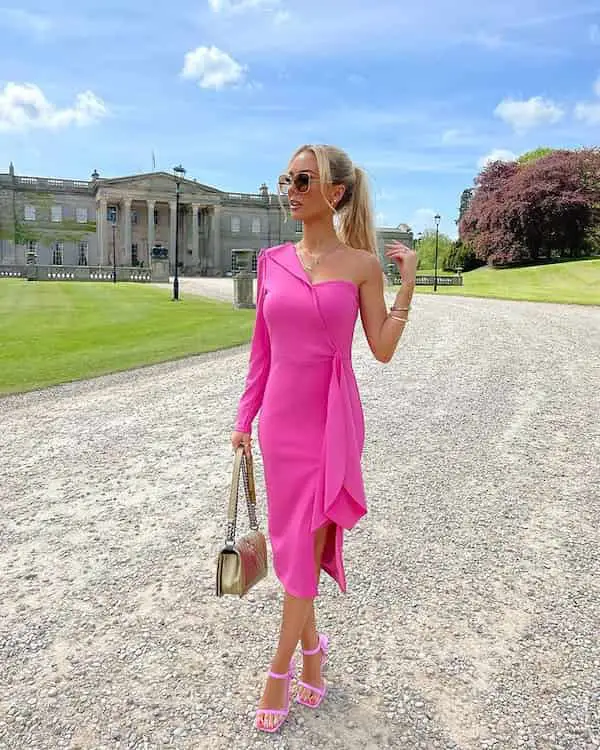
[{"x": 241, "y": 564}]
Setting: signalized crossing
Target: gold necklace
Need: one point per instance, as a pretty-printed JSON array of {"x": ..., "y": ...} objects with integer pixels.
[{"x": 309, "y": 267}]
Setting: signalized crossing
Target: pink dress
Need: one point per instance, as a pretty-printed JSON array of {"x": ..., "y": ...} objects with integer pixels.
[{"x": 311, "y": 426}]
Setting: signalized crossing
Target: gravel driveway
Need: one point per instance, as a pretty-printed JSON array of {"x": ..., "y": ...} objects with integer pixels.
[{"x": 473, "y": 609}]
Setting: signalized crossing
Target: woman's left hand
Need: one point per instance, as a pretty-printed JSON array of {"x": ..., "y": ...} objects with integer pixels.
[{"x": 405, "y": 258}]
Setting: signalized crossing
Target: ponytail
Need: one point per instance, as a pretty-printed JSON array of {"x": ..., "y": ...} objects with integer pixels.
[{"x": 356, "y": 221}]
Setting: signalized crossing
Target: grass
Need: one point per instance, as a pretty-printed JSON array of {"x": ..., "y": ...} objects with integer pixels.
[
  {"x": 574, "y": 282},
  {"x": 55, "y": 332}
]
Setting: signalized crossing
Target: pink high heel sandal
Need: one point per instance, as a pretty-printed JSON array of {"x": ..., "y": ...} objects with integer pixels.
[
  {"x": 282, "y": 712},
  {"x": 323, "y": 647}
]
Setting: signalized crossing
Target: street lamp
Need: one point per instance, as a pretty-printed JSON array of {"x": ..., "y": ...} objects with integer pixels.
[
  {"x": 114, "y": 227},
  {"x": 437, "y": 218},
  {"x": 179, "y": 175}
]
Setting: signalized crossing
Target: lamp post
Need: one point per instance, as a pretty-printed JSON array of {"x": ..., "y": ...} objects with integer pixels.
[
  {"x": 437, "y": 218},
  {"x": 114, "y": 227},
  {"x": 179, "y": 174}
]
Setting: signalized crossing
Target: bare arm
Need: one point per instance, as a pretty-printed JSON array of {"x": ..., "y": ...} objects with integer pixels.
[{"x": 383, "y": 331}]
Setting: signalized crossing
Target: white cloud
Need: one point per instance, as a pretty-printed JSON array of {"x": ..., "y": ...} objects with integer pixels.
[
  {"x": 24, "y": 106},
  {"x": 528, "y": 114},
  {"x": 588, "y": 112},
  {"x": 497, "y": 154},
  {"x": 422, "y": 219},
  {"x": 23, "y": 20},
  {"x": 212, "y": 68},
  {"x": 488, "y": 41},
  {"x": 237, "y": 6}
]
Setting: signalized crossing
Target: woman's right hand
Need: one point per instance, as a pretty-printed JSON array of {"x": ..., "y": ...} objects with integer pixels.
[{"x": 242, "y": 438}]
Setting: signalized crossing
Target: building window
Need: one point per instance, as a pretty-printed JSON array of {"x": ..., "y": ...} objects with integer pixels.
[
  {"x": 56, "y": 213},
  {"x": 32, "y": 246},
  {"x": 134, "y": 254},
  {"x": 256, "y": 226},
  {"x": 57, "y": 253},
  {"x": 81, "y": 215},
  {"x": 111, "y": 214},
  {"x": 134, "y": 217},
  {"x": 29, "y": 214},
  {"x": 83, "y": 253},
  {"x": 235, "y": 224},
  {"x": 298, "y": 227},
  {"x": 156, "y": 217}
]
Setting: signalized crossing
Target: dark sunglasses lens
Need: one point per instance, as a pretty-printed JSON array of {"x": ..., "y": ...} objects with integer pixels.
[{"x": 302, "y": 182}]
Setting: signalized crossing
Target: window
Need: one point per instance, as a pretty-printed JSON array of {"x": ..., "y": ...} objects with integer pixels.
[
  {"x": 57, "y": 253},
  {"x": 156, "y": 216},
  {"x": 81, "y": 215},
  {"x": 29, "y": 214},
  {"x": 83, "y": 253},
  {"x": 256, "y": 226},
  {"x": 134, "y": 254},
  {"x": 32, "y": 246},
  {"x": 298, "y": 227},
  {"x": 111, "y": 214},
  {"x": 56, "y": 213},
  {"x": 235, "y": 224},
  {"x": 134, "y": 217}
]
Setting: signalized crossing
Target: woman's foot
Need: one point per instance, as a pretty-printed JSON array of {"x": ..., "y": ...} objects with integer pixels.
[
  {"x": 311, "y": 685},
  {"x": 275, "y": 703}
]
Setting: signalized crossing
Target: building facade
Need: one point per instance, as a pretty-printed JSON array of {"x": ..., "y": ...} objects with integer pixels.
[{"x": 125, "y": 219}]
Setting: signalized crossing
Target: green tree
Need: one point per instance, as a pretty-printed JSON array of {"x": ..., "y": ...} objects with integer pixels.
[
  {"x": 426, "y": 250},
  {"x": 465, "y": 200},
  {"x": 537, "y": 153}
]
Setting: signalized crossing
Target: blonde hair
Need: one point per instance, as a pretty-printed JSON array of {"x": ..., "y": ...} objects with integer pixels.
[{"x": 356, "y": 225}]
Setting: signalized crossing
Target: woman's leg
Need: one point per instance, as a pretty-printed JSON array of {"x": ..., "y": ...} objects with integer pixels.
[
  {"x": 297, "y": 614},
  {"x": 311, "y": 668}
]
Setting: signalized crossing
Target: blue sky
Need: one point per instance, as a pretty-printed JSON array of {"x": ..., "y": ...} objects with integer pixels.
[{"x": 420, "y": 93}]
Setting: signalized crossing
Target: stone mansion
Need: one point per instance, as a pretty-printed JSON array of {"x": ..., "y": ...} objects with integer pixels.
[{"x": 78, "y": 222}]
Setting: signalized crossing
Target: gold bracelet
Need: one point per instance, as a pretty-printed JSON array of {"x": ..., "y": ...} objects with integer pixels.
[{"x": 395, "y": 317}]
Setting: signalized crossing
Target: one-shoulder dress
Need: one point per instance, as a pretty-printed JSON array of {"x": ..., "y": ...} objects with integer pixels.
[{"x": 311, "y": 425}]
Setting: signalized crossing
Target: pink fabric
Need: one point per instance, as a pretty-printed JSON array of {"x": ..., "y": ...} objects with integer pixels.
[{"x": 311, "y": 427}]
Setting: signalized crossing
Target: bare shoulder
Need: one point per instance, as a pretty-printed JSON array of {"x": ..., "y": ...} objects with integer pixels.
[{"x": 366, "y": 265}]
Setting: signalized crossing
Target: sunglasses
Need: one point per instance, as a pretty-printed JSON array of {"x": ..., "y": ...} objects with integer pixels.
[{"x": 301, "y": 182}]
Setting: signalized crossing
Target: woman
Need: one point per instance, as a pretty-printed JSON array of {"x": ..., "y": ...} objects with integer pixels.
[{"x": 311, "y": 428}]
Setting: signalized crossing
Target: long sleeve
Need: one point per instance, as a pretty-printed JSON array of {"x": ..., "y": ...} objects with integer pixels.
[{"x": 260, "y": 359}]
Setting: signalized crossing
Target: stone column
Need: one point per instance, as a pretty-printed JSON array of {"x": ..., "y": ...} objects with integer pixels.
[
  {"x": 150, "y": 209},
  {"x": 172, "y": 230},
  {"x": 195, "y": 235},
  {"x": 101, "y": 229},
  {"x": 126, "y": 203},
  {"x": 215, "y": 239}
]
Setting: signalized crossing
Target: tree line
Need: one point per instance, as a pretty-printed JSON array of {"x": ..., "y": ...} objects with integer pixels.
[{"x": 544, "y": 206}]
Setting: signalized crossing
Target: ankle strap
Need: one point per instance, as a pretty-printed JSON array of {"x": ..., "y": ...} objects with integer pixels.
[
  {"x": 278, "y": 676},
  {"x": 290, "y": 673},
  {"x": 321, "y": 646}
]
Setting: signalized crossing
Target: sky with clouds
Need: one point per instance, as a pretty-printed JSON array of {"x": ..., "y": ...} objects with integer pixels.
[{"x": 420, "y": 94}]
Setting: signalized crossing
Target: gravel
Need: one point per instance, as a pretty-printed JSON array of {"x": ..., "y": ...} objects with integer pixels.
[{"x": 471, "y": 619}]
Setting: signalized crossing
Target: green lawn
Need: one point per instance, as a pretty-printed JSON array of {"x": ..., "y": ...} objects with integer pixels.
[
  {"x": 54, "y": 332},
  {"x": 574, "y": 282}
]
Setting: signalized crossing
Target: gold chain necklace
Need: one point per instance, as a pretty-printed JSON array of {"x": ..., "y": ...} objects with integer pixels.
[{"x": 307, "y": 266}]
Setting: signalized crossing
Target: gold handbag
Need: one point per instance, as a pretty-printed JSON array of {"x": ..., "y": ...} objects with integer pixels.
[{"x": 241, "y": 564}]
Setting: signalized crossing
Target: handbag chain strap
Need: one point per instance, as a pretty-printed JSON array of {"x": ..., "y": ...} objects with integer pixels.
[{"x": 244, "y": 463}]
